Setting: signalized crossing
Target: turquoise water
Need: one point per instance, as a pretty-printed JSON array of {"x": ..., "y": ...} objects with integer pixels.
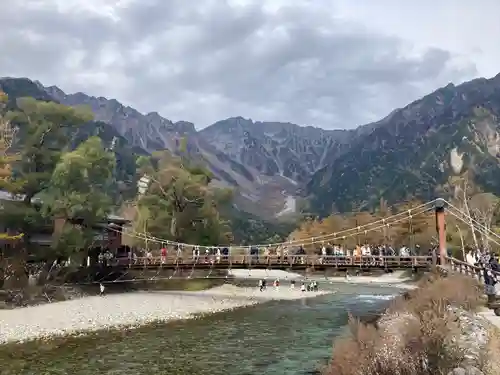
[{"x": 286, "y": 338}]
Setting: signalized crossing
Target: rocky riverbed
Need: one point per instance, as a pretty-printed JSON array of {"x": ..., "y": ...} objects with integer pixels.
[{"x": 131, "y": 310}]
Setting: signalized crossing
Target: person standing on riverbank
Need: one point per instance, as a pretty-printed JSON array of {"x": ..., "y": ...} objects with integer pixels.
[{"x": 101, "y": 289}]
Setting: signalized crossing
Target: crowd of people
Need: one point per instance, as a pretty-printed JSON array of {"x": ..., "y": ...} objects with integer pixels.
[
  {"x": 370, "y": 254},
  {"x": 490, "y": 268},
  {"x": 312, "y": 286}
]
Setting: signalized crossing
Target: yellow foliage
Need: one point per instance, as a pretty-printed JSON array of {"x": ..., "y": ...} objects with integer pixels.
[
  {"x": 419, "y": 230},
  {"x": 6, "y": 236}
]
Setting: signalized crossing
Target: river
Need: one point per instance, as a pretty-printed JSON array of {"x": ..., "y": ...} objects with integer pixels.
[{"x": 286, "y": 338}]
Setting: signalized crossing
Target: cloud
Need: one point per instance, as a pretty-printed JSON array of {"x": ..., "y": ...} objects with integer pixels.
[{"x": 309, "y": 62}]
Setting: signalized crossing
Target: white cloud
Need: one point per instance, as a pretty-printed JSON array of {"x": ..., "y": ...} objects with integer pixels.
[{"x": 328, "y": 63}]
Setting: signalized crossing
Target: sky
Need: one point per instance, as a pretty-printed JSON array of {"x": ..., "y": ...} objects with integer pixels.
[{"x": 326, "y": 63}]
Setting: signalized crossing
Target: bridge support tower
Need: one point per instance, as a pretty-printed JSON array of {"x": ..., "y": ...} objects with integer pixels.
[{"x": 439, "y": 208}]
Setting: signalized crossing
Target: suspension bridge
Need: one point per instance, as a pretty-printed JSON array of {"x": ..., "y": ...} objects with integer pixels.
[{"x": 186, "y": 259}]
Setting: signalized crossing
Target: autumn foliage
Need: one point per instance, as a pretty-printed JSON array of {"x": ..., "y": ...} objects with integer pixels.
[
  {"x": 416, "y": 336},
  {"x": 408, "y": 229}
]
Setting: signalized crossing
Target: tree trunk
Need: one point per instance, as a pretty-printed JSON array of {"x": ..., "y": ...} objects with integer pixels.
[
  {"x": 469, "y": 217},
  {"x": 173, "y": 227}
]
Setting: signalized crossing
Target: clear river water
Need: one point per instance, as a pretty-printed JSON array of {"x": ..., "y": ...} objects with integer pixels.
[{"x": 278, "y": 337}]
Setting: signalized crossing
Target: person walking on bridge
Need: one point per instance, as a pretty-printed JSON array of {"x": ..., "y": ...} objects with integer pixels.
[{"x": 163, "y": 253}]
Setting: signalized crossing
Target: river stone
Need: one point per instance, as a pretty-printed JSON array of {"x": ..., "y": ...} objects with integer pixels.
[
  {"x": 466, "y": 371},
  {"x": 392, "y": 352},
  {"x": 473, "y": 336},
  {"x": 472, "y": 339}
]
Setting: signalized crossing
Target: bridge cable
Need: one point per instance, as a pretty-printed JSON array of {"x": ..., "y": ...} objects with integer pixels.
[
  {"x": 314, "y": 239},
  {"x": 212, "y": 265},
  {"x": 197, "y": 256},
  {"x": 475, "y": 224},
  {"x": 473, "y": 220},
  {"x": 369, "y": 227},
  {"x": 480, "y": 230},
  {"x": 336, "y": 234}
]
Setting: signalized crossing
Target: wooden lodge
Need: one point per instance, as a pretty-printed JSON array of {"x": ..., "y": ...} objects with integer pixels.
[{"x": 107, "y": 234}]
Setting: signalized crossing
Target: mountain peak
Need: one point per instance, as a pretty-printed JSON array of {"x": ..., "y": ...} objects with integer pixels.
[{"x": 410, "y": 153}]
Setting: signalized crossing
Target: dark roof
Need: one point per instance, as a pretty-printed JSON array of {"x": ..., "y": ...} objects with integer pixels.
[{"x": 118, "y": 219}]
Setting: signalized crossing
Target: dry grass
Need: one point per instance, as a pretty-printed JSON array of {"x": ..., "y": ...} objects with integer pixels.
[
  {"x": 415, "y": 336},
  {"x": 492, "y": 355}
]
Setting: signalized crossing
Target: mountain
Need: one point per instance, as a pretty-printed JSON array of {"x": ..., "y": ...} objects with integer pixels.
[
  {"x": 275, "y": 148},
  {"x": 150, "y": 132},
  {"x": 415, "y": 150},
  {"x": 266, "y": 170},
  {"x": 125, "y": 153},
  {"x": 275, "y": 168},
  {"x": 246, "y": 228},
  {"x": 264, "y": 162}
]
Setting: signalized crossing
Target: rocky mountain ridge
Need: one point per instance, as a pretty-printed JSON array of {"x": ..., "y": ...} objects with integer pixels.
[
  {"x": 272, "y": 166},
  {"x": 275, "y": 148},
  {"x": 265, "y": 162},
  {"x": 415, "y": 151}
]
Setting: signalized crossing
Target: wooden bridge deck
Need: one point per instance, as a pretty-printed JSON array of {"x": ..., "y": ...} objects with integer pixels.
[{"x": 296, "y": 262}]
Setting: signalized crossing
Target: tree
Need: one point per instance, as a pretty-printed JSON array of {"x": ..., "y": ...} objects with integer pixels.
[
  {"x": 462, "y": 191},
  {"x": 362, "y": 232},
  {"x": 78, "y": 192},
  {"x": 44, "y": 129},
  {"x": 418, "y": 228},
  {"x": 7, "y": 136},
  {"x": 178, "y": 203},
  {"x": 43, "y": 135},
  {"x": 483, "y": 208}
]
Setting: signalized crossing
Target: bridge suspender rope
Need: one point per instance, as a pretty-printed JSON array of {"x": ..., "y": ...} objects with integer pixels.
[
  {"x": 176, "y": 263},
  {"x": 402, "y": 216},
  {"x": 196, "y": 256}
]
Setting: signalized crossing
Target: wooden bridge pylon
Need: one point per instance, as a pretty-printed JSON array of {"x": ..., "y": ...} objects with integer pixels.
[{"x": 439, "y": 207}]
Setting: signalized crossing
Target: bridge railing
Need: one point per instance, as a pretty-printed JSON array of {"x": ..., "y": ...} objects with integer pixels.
[
  {"x": 467, "y": 269},
  {"x": 277, "y": 260}
]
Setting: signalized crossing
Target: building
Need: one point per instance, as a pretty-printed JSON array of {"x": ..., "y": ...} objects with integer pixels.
[{"x": 107, "y": 234}]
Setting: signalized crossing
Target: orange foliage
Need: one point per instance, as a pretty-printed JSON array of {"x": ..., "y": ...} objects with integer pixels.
[{"x": 415, "y": 230}]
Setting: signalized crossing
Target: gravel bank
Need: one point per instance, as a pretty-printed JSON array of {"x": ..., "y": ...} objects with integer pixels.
[
  {"x": 396, "y": 280},
  {"x": 129, "y": 310},
  {"x": 264, "y": 274}
]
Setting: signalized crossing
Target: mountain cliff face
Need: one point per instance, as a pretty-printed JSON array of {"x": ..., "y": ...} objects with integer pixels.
[
  {"x": 265, "y": 162},
  {"x": 415, "y": 150},
  {"x": 274, "y": 148},
  {"x": 150, "y": 132},
  {"x": 264, "y": 170}
]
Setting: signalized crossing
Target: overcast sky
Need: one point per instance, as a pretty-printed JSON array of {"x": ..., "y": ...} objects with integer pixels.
[{"x": 328, "y": 63}]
